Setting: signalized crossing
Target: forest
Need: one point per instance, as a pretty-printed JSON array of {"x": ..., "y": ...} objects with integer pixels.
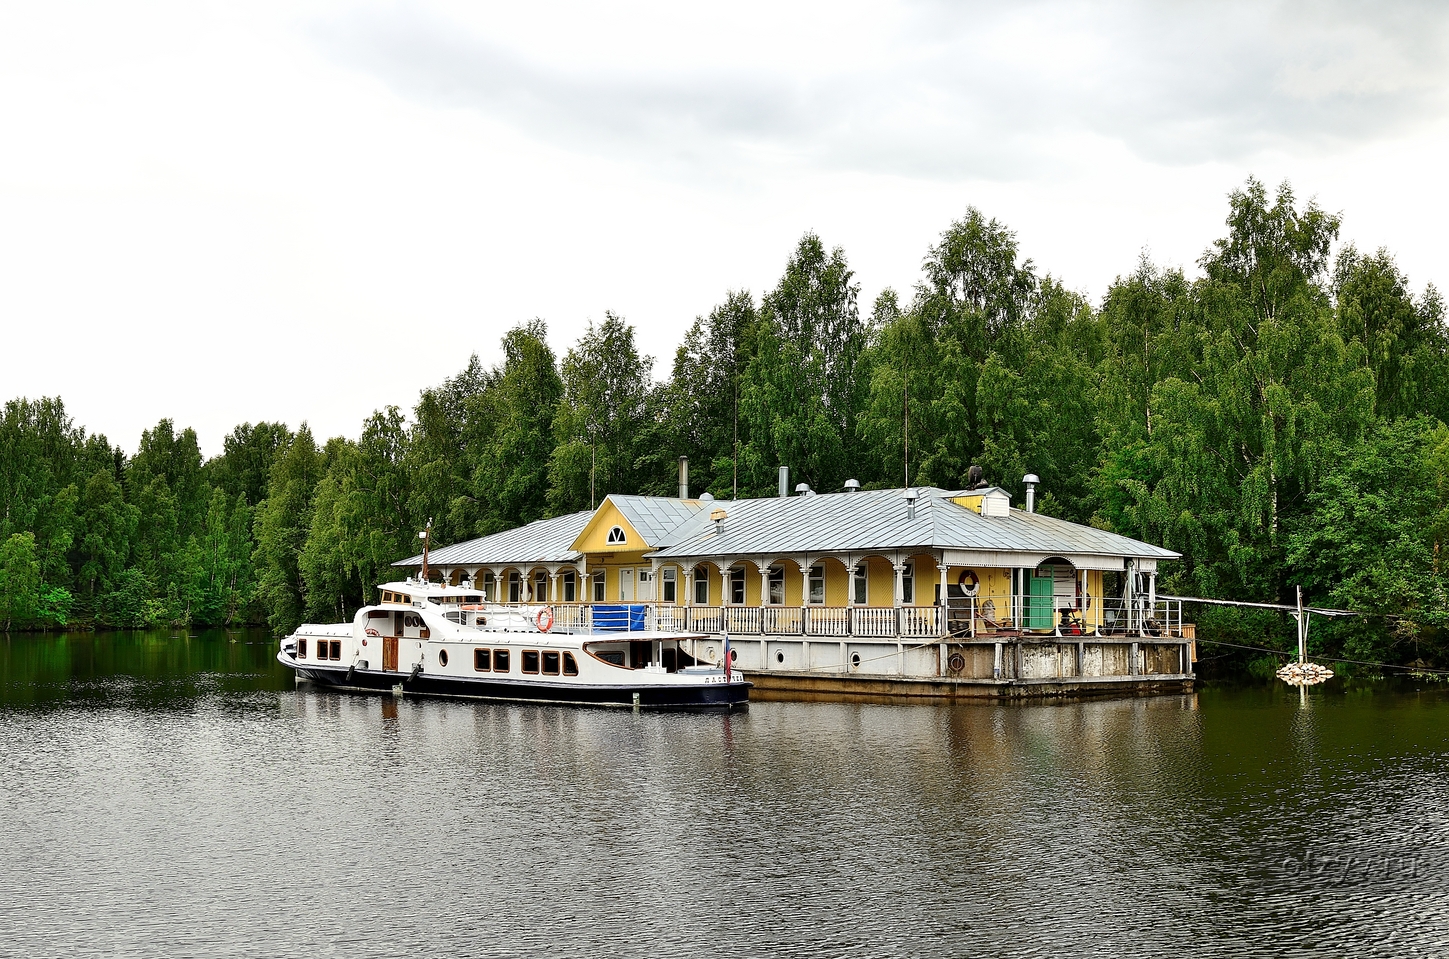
[{"x": 1278, "y": 417}]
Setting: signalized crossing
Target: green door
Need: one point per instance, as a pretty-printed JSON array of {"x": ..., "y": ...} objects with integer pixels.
[{"x": 1040, "y": 600}]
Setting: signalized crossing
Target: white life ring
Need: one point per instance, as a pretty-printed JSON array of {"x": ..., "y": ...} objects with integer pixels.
[
  {"x": 968, "y": 582},
  {"x": 544, "y": 619}
]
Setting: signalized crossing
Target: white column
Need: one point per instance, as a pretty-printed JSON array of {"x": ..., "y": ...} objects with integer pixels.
[{"x": 945, "y": 623}]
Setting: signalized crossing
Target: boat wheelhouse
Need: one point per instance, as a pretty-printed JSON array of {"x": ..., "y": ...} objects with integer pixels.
[
  {"x": 894, "y": 592},
  {"x": 438, "y": 639}
]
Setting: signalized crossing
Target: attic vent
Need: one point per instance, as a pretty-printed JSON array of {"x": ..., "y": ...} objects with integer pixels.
[{"x": 616, "y": 536}]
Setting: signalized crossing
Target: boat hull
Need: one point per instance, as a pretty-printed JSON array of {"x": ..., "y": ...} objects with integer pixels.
[{"x": 714, "y": 696}]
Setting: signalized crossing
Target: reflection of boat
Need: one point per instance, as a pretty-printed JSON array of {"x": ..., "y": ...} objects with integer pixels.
[{"x": 431, "y": 639}]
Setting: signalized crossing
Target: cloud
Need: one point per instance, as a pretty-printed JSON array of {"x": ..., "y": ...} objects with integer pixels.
[{"x": 931, "y": 90}]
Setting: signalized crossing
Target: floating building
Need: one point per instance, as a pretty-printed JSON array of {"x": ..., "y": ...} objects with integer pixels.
[{"x": 919, "y": 592}]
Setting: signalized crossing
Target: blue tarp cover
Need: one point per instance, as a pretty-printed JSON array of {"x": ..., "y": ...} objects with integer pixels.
[{"x": 619, "y": 618}]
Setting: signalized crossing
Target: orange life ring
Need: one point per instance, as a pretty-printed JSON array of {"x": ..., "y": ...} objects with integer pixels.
[
  {"x": 544, "y": 619},
  {"x": 968, "y": 582},
  {"x": 372, "y": 632}
]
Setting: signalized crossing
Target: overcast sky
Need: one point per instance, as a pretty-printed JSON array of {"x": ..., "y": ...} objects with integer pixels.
[{"x": 226, "y": 213}]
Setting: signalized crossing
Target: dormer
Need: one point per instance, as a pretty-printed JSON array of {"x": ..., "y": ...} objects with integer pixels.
[{"x": 992, "y": 502}]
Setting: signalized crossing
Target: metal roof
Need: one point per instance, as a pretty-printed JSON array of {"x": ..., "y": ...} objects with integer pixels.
[
  {"x": 542, "y": 541},
  {"x": 654, "y": 517},
  {"x": 879, "y": 520},
  {"x": 861, "y": 522}
]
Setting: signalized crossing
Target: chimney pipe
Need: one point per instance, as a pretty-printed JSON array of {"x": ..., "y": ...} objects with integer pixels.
[
  {"x": 784, "y": 481},
  {"x": 1031, "y": 479},
  {"x": 684, "y": 477}
]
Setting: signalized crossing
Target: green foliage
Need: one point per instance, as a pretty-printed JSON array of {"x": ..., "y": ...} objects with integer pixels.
[
  {"x": 804, "y": 386},
  {"x": 1278, "y": 419},
  {"x": 600, "y": 417}
]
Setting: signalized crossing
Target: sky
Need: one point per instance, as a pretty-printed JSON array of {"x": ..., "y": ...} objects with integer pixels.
[{"x": 225, "y": 213}]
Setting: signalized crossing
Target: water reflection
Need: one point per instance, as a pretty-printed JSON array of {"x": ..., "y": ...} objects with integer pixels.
[{"x": 178, "y": 795}]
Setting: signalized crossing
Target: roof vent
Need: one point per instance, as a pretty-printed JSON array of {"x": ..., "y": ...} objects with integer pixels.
[
  {"x": 718, "y": 516},
  {"x": 706, "y": 497},
  {"x": 851, "y": 485},
  {"x": 1031, "y": 479},
  {"x": 910, "y": 497},
  {"x": 803, "y": 489}
]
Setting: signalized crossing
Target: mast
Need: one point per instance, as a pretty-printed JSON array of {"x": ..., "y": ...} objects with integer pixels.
[{"x": 426, "y": 537}]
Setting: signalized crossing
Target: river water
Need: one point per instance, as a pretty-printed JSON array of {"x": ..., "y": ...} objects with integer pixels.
[{"x": 166, "y": 795}]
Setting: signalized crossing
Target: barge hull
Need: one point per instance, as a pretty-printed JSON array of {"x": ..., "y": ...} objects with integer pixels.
[{"x": 795, "y": 685}]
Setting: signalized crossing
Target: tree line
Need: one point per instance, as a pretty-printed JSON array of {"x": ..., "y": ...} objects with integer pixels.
[{"x": 1277, "y": 418}]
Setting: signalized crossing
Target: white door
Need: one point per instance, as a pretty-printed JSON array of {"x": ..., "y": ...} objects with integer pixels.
[
  {"x": 626, "y": 586},
  {"x": 646, "y": 585}
]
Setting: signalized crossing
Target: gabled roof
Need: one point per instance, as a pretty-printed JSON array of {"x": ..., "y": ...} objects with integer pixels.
[
  {"x": 542, "y": 541},
  {"x": 860, "y": 522},
  {"x": 655, "y": 517},
  {"x": 872, "y": 520}
]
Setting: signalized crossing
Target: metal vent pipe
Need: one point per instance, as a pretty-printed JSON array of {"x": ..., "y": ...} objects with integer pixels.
[
  {"x": 784, "y": 481},
  {"x": 684, "y": 477}
]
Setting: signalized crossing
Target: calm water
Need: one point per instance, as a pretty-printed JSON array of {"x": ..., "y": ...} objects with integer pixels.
[{"x": 175, "y": 796}]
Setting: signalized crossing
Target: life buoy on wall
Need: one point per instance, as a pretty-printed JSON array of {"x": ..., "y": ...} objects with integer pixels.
[
  {"x": 544, "y": 619},
  {"x": 956, "y": 662},
  {"x": 968, "y": 582}
]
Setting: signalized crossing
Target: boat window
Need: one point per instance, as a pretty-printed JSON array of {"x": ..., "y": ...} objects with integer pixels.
[
  {"x": 500, "y": 660},
  {"x": 442, "y": 657},
  {"x": 334, "y": 649},
  {"x": 301, "y": 649},
  {"x": 612, "y": 656},
  {"x": 483, "y": 660},
  {"x": 550, "y": 662},
  {"x": 530, "y": 660},
  {"x": 570, "y": 665}
]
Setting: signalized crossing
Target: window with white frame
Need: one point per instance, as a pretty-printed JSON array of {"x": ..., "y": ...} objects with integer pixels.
[
  {"x": 616, "y": 536},
  {"x": 777, "y": 586},
  {"x": 540, "y": 587},
  {"x": 490, "y": 587},
  {"x": 737, "y": 586},
  {"x": 515, "y": 587},
  {"x": 599, "y": 586},
  {"x": 908, "y": 584},
  {"x": 817, "y": 585},
  {"x": 570, "y": 587},
  {"x": 858, "y": 587},
  {"x": 701, "y": 586},
  {"x": 668, "y": 591}
]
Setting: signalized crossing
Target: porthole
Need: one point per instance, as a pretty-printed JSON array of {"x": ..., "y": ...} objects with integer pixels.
[
  {"x": 442, "y": 657},
  {"x": 779, "y": 655},
  {"x": 734, "y": 655},
  {"x": 854, "y": 660}
]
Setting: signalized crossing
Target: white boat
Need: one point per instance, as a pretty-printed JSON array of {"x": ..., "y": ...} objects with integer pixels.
[{"x": 432, "y": 639}]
